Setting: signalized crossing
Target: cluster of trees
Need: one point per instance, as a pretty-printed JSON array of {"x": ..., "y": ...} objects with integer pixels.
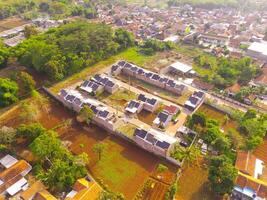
[
  {"x": 8, "y": 92},
  {"x": 254, "y": 128},
  {"x": 9, "y": 88},
  {"x": 222, "y": 172},
  {"x": 57, "y": 9},
  {"x": 67, "y": 49},
  {"x": 4, "y": 54},
  {"x": 246, "y": 91},
  {"x": 226, "y": 72},
  {"x": 151, "y": 46},
  {"x": 210, "y": 132},
  {"x": 56, "y": 167}
]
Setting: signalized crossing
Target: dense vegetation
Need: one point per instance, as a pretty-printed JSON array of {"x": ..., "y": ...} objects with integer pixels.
[
  {"x": 4, "y": 54},
  {"x": 67, "y": 49},
  {"x": 56, "y": 166},
  {"x": 8, "y": 92},
  {"x": 57, "y": 9},
  {"x": 222, "y": 173},
  {"x": 225, "y": 72}
]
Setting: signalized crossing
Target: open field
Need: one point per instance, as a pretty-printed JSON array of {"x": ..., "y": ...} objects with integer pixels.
[
  {"x": 10, "y": 23},
  {"x": 193, "y": 184}
]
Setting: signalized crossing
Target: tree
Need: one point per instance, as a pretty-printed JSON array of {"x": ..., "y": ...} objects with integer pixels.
[
  {"x": 86, "y": 114},
  {"x": 4, "y": 54},
  {"x": 124, "y": 38},
  {"x": 99, "y": 148},
  {"x": 199, "y": 118},
  {"x": 29, "y": 111},
  {"x": 30, "y": 131},
  {"x": 8, "y": 92},
  {"x": 62, "y": 175},
  {"x": 7, "y": 135},
  {"x": 189, "y": 155},
  {"x": 222, "y": 174},
  {"x": 27, "y": 81},
  {"x": 250, "y": 114},
  {"x": 30, "y": 31},
  {"x": 47, "y": 146}
]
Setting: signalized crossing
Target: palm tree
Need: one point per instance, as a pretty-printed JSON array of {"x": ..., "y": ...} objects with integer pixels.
[
  {"x": 188, "y": 155},
  {"x": 99, "y": 148}
]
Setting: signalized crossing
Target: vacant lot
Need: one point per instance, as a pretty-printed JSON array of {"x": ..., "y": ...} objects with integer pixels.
[
  {"x": 193, "y": 184},
  {"x": 10, "y": 23}
]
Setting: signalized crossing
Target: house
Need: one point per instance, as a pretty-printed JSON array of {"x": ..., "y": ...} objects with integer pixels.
[
  {"x": 213, "y": 39},
  {"x": 12, "y": 176},
  {"x": 171, "y": 109},
  {"x": 134, "y": 107},
  {"x": 232, "y": 90},
  {"x": 98, "y": 84},
  {"x": 202, "y": 85},
  {"x": 180, "y": 69},
  {"x": 251, "y": 182},
  {"x": 154, "y": 141},
  {"x": 92, "y": 87},
  {"x": 195, "y": 100},
  {"x": 149, "y": 104},
  {"x": 84, "y": 189},
  {"x": 103, "y": 117},
  {"x": 258, "y": 50},
  {"x": 31, "y": 192},
  {"x": 163, "y": 119},
  {"x": 44, "y": 195},
  {"x": 262, "y": 79}
]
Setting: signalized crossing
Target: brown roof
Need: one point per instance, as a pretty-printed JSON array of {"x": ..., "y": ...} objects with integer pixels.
[
  {"x": 245, "y": 162},
  {"x": 13, "y": 174},
  {"x": 202, "y": 85},
  {"x": 44, "y": 195},
  {"x": 234, "y": 88},
  {"x": 262, "y": 191},
  {"x": 253, "y": 185},
  {"x": 32, "y": 190},
  {"x": 241, "y": 181},
  {"x": 14, "y": 170},
  {"x": 263, "y": 77}
]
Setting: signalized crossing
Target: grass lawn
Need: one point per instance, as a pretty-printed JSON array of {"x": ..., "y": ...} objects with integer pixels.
[
  {"x": 127, "y": 129},
  {"x": 193, "y": 184},
  {"x": 118, "y": 99},
  {"x": 130, "y": 55}
]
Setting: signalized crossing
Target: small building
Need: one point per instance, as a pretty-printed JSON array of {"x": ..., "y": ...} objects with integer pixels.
[
  {"x": 149, "y": 104},
  {"x": 163, "y": 119},
  {"x": 195, "y": 100},
  {"x": 251, "y": 182},
  {"x": 12, "y": 176},
  {"x": 134, "y": 107},
  {"x": 154, "y": 141},
  {"x": 180, "y": 68},
  {"x": 31, "y": 192},
  {"x": 44, "y": 195},
  {"x": 258, "y": 51},
  {"x": 84, "y": 189}
]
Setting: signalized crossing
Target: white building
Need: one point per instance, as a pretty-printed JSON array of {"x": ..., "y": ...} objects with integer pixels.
[{"x": 258, "y": 50}]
